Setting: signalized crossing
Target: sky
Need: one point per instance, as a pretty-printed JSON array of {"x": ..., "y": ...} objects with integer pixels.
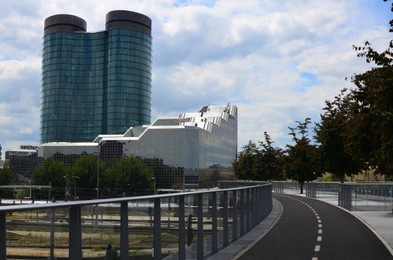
[{"x": 277, "y": 61}]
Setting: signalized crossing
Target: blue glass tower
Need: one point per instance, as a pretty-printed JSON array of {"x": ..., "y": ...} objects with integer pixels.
[{"x": 95, "y": 83}]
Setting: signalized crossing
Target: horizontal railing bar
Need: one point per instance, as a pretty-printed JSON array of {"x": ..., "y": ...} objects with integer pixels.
[{"x": 14, "y": 208}]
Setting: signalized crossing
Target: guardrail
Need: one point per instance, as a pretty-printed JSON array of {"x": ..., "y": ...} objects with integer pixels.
[
  {"x": 372, "y": 196},
  {"x": 366, "y": 196},
  {"x": 189, "y": 225}
]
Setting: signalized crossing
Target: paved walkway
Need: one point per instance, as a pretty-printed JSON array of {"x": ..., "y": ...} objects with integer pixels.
[{"x": 379, "y": 222}]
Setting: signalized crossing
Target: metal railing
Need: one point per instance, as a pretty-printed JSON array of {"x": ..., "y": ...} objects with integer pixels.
[
  {"x": 372, "y": 196},
  {"x": 366, "y": 196},
  {"x": 189, "y": 225}
]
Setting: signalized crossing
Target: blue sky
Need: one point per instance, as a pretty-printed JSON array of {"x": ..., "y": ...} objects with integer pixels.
[{"x": 278, "y": 61}]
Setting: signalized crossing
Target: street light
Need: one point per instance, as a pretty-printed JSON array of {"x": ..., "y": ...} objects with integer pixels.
[
  {"x": 154, "y": 185},
  {"x": 98, "y": 183},
  {"x": 98, "y": 171},
  {"x": 66, "y": 189}
]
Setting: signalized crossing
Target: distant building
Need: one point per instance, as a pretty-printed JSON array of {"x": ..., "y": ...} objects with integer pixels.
[
  {"x": 202, "y": 144},
  {"x": 22, "y": 161},
  {"x": 95, "y": 83}
]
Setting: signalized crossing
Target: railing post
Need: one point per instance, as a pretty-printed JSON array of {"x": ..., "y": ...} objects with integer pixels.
[
  {"x": 182, "y": 229},
  {"x": 234, "y": 216},
  {"x": 157, "y": 229},
  {"x": 265, "y": 201},
  {"x": 259, "y": 205},
  {"x": 52, "y": 235},
  {"x": 200, "y": 253},
  {"x": 225, "y": 219},
  {"x": 242, "y": 213},
  {"x": 349, "y": 197},
  {"x": 252, "y": 206},
  {"x": 3, "y": 237},
  {"x": 340, "y": 195},
  {"x": 248, "y": 210},
  {"x": 75, "y": 234},
  {"x": 345, "y": 196},
  {"x": 269, "y": 196},
  {"x": 124, "y": 250},
  {"x": 214, "y": 223}
]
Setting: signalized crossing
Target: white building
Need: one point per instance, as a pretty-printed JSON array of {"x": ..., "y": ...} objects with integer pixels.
[{"x": 200, "y": 143}]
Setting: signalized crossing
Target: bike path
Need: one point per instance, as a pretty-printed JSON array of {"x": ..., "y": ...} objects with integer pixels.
[{"x": 313, "y": 230}]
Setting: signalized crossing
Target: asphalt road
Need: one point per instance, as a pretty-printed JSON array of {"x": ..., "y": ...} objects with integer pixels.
[{"x": 315, "y": 230}]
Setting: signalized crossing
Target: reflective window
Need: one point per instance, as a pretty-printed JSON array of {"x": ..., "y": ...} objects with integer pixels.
[{"x": 94, "y": 83}]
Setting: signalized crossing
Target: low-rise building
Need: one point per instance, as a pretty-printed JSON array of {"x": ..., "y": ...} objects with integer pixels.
[
  {"x": 201, "y": 145},
  {"x": 22, "y": 161}
]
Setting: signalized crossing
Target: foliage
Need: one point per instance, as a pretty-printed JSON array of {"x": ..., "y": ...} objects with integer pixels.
[
  {"x": 303, "y": 158},
  {"x": 66, "y": 159},
  {"x": 84, "y": 172},
  {"x": 6, "y": 175},
  {"x": 6, "y": 178},
  {"x": 371, "y": 118},
  {"x": 166, "y": 177},
  {"x": 356, "y": 130},
  {"x": 259, "y": 163},
  {"x": 53, "y": 172},
  {"x": 271, "y": 160},
  {"x": 331, "y": 135},
  {"x": 246, "y": 164},
  {"x": 130, "y": 175}
]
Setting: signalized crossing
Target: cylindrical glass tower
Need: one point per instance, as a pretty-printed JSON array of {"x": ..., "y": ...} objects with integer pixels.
[{"x": 95, "y": 83}]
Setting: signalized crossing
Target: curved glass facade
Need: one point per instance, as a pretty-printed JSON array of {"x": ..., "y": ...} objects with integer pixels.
[{"x": 95, "y": 83}]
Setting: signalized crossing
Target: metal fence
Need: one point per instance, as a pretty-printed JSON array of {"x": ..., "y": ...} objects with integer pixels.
[
  {"x": 189, "y": 225},
  {"x": 371, "y": 196},
  {"x": 366, "y": 196}
]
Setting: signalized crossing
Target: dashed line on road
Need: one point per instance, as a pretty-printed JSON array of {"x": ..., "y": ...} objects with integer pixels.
[{"x": 317, "y": 248}]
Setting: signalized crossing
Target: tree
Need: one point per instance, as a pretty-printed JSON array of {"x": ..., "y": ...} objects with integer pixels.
[
  {"x": 84, "y": 172},
  {"x": 261, "y": 163},
  {"x": 54, "y": 173},
  {"x": 332, "y": 138},
  {"x": 370, "y": 125},
  {"x": 303, "y": 159},
  {"x": 246, "y": 164},
  {"x": 6, "y": 178},
  {"x": 166, "y": 177},
  {"x": 271, "y": 160},
  {"x": 130, "y": 175}
]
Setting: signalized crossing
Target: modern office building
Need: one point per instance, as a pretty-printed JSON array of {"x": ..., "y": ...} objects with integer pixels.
[
  {"x": 200, "y": 145},
  {"x": 22, "y": 161},
  {"x": 95, "y": 82}
]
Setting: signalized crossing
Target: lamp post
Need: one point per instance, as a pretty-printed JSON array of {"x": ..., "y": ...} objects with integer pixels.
[
  {"x": 98, "y": 171},
  {"x": 66, "y": 189},
  {"x": 98, "y": 183},
  {"x": 154, "y": 185}
]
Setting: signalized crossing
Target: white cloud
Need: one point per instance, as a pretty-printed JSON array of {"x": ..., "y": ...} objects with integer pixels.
[{"x": 277, "y": 60}]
